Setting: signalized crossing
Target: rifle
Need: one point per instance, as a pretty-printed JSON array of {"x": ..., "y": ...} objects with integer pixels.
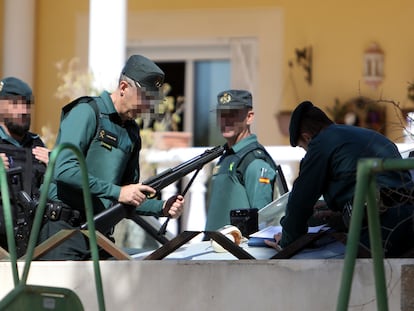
[
  {"x": 23, "y": 209},
  {"x": 107, "y": 219}
]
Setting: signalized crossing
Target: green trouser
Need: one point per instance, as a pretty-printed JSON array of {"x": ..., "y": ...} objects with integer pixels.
[{"x": 74, "y": 248}]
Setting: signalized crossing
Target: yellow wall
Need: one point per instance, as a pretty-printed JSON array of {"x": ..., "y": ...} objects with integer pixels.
[
  {"x": 55, "y": 41},
  {"x": 339, "y": 32}
]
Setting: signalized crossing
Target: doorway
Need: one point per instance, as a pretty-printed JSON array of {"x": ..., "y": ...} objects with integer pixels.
[{"x": 200, "y": 70}]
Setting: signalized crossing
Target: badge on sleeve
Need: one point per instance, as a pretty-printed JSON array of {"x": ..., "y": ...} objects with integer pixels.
[{"x": 263, "y": 178}]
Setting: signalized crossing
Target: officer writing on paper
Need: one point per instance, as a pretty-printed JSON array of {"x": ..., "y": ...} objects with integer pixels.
[
  {"x": 105, "y": 131},
  {"x": 329, "y": 169},
  {"x": 245, "y": 174}
]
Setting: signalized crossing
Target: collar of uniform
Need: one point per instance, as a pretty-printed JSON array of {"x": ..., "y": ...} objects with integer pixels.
[
  {"x": 244, "y": 142},
  {"x": 109, "y": 108},
  {"x": 28, "y": 140},
  {"x": 109, "y": 105},
  {"x": 5, "y": 137}
]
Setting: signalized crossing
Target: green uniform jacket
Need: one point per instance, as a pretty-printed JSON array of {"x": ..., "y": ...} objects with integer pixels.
[
  {"x": 227, "y": 192},
  {"x": 329, "y": 169},
  {"x": 111, "y": 153}
]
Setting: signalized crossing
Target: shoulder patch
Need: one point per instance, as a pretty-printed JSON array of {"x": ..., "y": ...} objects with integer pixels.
[{"x": 258, "y": 152}]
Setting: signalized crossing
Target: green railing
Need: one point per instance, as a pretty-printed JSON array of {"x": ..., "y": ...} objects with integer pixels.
[
  {"x": 37, "y": 222},
  {"x": 11, "y": 242},
  {"x": 365, "y": 192}
]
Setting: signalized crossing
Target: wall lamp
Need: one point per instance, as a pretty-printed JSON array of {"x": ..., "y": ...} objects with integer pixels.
[
  {"x": 373, "y": 65},
  {"x": 304, "y": 60}
]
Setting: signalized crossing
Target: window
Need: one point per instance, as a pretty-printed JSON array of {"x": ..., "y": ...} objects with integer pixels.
[{"x": 204, "y": 69}]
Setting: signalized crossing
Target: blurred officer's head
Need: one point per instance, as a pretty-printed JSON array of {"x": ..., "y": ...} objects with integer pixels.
[
  {"x": 16, "y": 99},
  {"x": 140, "y": 82},
  {"x": 306, "y": 122},
  {"x": 234, "y": 112}
]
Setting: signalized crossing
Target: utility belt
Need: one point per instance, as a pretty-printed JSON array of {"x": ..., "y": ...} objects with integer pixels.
[{"x": 60, "y": 211}]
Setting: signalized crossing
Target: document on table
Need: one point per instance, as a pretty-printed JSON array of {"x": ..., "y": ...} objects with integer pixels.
[{"x": 257, "y": 238}]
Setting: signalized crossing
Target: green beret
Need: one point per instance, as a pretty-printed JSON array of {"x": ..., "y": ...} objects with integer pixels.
[
  {"x": 145, "y": 72},
  {"x": 295, "y": 121},
  {"x": 13, "y": 87},
  {"x": 234, "y": 99}
]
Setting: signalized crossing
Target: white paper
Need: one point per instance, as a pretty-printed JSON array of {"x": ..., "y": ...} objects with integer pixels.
[{"x": 270, "y": 231}]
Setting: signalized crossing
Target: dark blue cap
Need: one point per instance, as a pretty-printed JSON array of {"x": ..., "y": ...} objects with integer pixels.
[
  {"x": 14, "y": 87},
  {"x": 145, "y": 72},
  {"x": 234, "y": 99},
  {"x": 295, "y": 121}
]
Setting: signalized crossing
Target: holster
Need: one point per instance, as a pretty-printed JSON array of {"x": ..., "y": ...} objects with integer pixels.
[{"x": 60, "y": 211}]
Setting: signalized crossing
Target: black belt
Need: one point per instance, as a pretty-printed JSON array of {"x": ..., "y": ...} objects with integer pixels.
[{"x": 60, "y": 211}]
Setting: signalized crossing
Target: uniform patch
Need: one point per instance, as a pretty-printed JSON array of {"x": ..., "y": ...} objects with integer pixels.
[
  {"x": 108, "y": 139},
  {"x": 264, "y": 180}
]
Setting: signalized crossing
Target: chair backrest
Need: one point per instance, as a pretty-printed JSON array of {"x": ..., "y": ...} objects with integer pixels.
[
  {"x": 36, "y": 298},
  {"x": 23, "y": 296}
]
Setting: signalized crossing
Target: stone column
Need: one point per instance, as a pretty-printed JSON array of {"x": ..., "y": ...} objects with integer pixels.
[
  {"x": 107, "y": 41},
  {"x": 18, "y": 45}
]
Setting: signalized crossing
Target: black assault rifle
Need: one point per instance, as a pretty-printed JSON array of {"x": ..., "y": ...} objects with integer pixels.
[
  {"x": 107, "y": 219},
  {"x": 22, "y": 209}
]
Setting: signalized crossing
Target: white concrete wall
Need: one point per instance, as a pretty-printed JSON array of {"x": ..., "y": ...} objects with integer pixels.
[{"x": 294, "y": 285}]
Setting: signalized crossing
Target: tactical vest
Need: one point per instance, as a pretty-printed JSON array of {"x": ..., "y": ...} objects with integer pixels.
[
  {"x": 25, "y": 173},
  {"x": 228, "y": 185},
  {"x": 32, "y": 170},
  {"x": 111, "y": 147}
]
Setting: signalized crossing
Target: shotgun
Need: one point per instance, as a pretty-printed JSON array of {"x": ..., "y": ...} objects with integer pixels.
[{"x": 108, "y": 218}]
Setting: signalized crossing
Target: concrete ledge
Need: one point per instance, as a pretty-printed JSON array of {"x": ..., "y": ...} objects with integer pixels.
[
  {"x": 215, "y": 285},
  {"x": 407, "y": 288}
]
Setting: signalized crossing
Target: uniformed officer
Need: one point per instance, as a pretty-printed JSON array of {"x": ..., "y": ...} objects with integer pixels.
[
  {"x": 16, "y": 100},
  {"x": 104, "y": 129},
  {"x": 245, "y": 174},
  {"x": 23, "y": 154},
  {"x": 329, "y": 169}
]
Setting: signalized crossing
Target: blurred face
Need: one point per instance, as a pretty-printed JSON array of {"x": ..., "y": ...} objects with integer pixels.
[
  {"x": 233, "y": 122},
  {"x": 303, "y": 141},
  {"x": 16, "y": 115},
  {"x": 135, "y": 100}
]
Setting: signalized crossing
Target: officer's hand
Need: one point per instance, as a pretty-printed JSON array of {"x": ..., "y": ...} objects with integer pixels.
[
  {"x": 41, "y": 154},
  {"x": 174, "y": 206},
  {"x": 135, "y": 194},
  {"x": 5, "y": 160},
  {"x": 275, "y": 244}
]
